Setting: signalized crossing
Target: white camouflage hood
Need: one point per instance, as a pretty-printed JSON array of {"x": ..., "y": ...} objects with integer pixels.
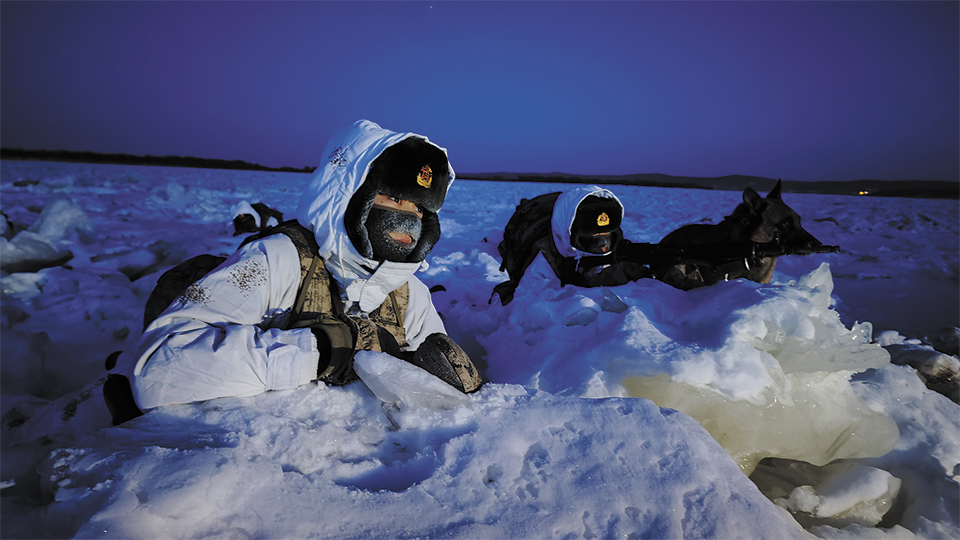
[
  {"x": 347, "y": 160},
  {"x": 564, "y": 212}
]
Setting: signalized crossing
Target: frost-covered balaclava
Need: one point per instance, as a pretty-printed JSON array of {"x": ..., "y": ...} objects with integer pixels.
[{"x": 412, "y": 170}]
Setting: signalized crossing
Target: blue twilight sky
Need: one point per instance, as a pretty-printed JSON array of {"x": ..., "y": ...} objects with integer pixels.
[{"x": 792, "y": 90}]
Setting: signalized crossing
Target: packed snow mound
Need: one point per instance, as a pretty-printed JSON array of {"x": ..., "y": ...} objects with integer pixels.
[
  {"x": 764, "y": 368},
  {"x": 62, "y": 220},
  {"x": 30, "y": 252},
  {"x": 46, "y": 243},
  {"x": 808, "y": 410},
  {"x": 500, "y": 465},
  {"x": 940, "y": 371},
  {"x": 857, "y": 494}
]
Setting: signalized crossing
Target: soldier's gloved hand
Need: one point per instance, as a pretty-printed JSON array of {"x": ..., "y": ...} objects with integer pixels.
[
  {"x": 336, "y": 342},
  {"x": 442, "y": 357}
]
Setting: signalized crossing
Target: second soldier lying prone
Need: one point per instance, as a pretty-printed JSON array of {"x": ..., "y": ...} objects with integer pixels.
[{"x": 549, "y": 234}]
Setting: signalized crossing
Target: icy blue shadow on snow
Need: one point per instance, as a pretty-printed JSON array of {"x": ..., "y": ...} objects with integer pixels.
[{"x": 407, "y": 458}]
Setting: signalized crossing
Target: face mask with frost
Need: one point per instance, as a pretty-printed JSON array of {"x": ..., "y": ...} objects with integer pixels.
[
  {"x": 412, "y": 170},
  {"x": 381, "y": 222}
]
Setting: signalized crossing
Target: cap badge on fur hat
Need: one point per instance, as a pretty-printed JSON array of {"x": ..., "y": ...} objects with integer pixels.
[
  {"x": 603, "y": 219},
  {"x": 425, "y": 178}
]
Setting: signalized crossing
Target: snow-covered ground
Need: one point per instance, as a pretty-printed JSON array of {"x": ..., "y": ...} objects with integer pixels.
[{"x": 784, "y": 382}]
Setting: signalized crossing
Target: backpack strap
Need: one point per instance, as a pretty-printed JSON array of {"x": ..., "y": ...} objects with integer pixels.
[
  {"x": 318, "y": 306},
  {"x": 318, "y": 293}
]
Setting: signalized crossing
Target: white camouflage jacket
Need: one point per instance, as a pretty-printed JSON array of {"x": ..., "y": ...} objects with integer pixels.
[{"x": 228, "y": 339}]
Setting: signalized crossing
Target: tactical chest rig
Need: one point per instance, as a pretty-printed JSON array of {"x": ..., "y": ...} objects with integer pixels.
[{"x": 319, "y": 306}]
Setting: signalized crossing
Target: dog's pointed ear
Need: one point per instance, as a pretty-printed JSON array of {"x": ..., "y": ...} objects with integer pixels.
[
  {"x": 775, "y": 192},
  {"x": 752, "y": 199}
]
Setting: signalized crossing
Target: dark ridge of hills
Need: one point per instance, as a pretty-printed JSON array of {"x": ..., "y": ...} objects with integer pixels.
[
  {"x": 128, "y": 159},
  {"x": 919, "y": 189}
]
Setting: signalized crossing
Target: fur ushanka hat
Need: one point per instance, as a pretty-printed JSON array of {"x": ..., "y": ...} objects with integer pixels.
[
  {"x": 413, "y": 170},
  {"x": 596, "y": 215}
]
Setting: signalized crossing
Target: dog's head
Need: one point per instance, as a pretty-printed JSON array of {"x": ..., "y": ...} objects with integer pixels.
[{"x": 766, "y": 219}]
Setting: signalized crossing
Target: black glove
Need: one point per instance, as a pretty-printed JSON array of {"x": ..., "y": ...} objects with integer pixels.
[
  {"x": 443, "y": 358},
  {"x": 337, "y": 341}
]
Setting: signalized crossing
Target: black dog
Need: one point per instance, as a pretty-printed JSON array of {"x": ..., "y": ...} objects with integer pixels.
[{"x": 756, "y": 219}]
